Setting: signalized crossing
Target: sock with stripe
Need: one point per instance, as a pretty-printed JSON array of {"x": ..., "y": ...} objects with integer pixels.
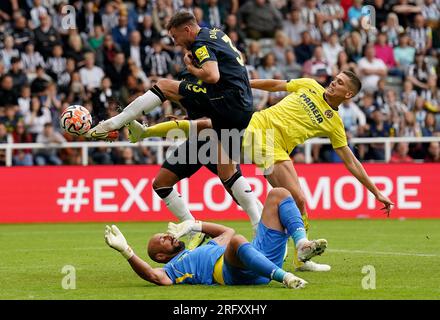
[
  {"x": 143, "y": 104},
  {"x": 254, "y": 260},
  {"x": 291, "y": 219}
]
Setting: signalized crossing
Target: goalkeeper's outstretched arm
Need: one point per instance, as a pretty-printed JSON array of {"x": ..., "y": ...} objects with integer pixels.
[
  {"x": 145, "y": 271},
  {"x": 116, "y": 240}
]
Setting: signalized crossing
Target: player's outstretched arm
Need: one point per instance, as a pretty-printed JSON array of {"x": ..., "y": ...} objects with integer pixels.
[
  {"x": 145, "y": 271},
  {"x": 221, "y": 234},
  {"x": 271, "y": 85},
  {"x": 355, "y": 167},
  {"x": 116, "y": 240}
]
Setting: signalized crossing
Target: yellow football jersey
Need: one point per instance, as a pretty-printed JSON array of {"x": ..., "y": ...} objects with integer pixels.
[{"x": 302, "y": 115}]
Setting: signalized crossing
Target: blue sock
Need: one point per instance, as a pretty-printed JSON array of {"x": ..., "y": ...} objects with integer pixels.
[
  {"x": 254, "y": 260},
  {"x": 291, "y": 219}
]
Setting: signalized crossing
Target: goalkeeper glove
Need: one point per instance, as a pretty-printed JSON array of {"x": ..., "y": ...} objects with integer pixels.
[
  {"x": 116, "y": 240},
  {"x": 181, "y": 229}
]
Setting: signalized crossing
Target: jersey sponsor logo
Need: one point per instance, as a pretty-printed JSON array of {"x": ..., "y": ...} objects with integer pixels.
[
  {"x": 312, "y": 91},
  {"x": 328, "y": 114},
  {"x": 202, "y": 54},
  {"x": 313, "y": 109}
]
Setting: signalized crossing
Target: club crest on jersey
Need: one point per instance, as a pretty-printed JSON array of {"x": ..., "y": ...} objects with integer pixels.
[
  {"x": 328, "y": 114},
  {"x": 202, "y": 54}
]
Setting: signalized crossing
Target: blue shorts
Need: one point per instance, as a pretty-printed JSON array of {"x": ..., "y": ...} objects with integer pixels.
[{"x": 271, "y": 243}]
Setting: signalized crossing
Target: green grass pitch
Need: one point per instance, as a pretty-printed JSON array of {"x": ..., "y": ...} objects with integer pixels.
[{"x": 405, "y": 256}]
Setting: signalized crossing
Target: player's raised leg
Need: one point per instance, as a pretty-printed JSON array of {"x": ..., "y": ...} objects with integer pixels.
[
  {"x": 138, "y": 131},
  {"x": 283, "y": 174},
  {"x": 281, "y": 212},
  {"x": 163, "y": 90},
  {"x": 241, "y": 255},
  {"x": 265, "y": 255}
]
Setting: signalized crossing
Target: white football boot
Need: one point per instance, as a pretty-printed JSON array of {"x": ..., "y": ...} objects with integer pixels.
[
  {"x": 99, "y": 133},
  {"x": 310, "y": 248},
  {"x": 135, "y": 131}
]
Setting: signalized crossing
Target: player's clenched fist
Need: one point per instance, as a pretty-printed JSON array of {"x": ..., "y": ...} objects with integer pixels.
[
  {"x": 116, "y": 240},
  {"x": 189, "y": 60},
  {"x": 183, "y": 228}
]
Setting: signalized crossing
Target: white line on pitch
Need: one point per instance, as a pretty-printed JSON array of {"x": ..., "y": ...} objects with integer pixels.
[
  {"x": 104, "y": 247},
  {"x": 384, "y": 253}
]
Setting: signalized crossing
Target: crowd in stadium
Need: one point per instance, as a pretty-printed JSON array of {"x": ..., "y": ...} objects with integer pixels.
[{"x": 116, "y": 50}]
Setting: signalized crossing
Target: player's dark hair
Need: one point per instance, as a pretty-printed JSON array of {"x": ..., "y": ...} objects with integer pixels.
[
  {"x": 357, "y": 85},
  {"x": 181, "y": 18}
]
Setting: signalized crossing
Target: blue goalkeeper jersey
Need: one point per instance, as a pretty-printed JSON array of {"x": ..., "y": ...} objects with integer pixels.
[{"x": 195, "y": 266}]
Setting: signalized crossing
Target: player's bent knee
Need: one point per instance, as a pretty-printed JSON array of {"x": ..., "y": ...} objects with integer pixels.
[
  {"x": 168, "y": 86},
  {"x": 237, "y": 240},
  {"x": 159, "y": 183},
  {"x": 279, "y": 193}
]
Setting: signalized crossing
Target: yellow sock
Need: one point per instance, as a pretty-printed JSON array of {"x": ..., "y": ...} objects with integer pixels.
[
  {"x": 162, "y": 129},
  {"x": 296, "y": 262}
]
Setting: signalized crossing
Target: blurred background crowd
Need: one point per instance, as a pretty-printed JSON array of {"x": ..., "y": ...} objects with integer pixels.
[{"x": 118, "y": 49}]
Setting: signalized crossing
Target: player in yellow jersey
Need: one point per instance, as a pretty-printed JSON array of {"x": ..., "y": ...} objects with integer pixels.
[{"x": 309, "y": 111}]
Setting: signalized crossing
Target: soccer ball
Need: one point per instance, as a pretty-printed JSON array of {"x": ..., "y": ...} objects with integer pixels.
[{"x": 76, "y": 120}]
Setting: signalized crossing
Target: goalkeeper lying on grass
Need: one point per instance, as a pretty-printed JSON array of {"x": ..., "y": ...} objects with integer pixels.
[{"x": 227, "y": 259}]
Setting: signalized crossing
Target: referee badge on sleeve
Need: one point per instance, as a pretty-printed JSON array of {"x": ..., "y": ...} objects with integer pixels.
[{"x": 202, "y": 54}]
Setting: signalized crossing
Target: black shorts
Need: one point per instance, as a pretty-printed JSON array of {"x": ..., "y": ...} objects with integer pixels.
[
  {"x": 185, "y": 161},
  {"x": 194, "y": 108},
  {"x": 185, "y": 169},
  {"x": 227, "y": 109}
]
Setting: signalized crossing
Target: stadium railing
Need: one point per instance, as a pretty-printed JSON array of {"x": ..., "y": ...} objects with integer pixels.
[{"x": 161, "y": 145}]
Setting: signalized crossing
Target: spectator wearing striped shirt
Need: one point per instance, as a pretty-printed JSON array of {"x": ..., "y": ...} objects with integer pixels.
[
  {"x": 31, "y": 59},
  {"x": 37, "y": 10},
  {"x": 421, "y": 35},
  {"x": 431, "y": 95},
  {"x": 409, "y": 95},
  {"x": 419, "y": 72},
  {"x": 158, "y": 61},
  {"x": 214, "y": 13},
  {"x": 332, "y": 15},
  {"x": 393, "y": 29},
  {"x": 8, "y": 52},
  {"x": 56, "y": 64}
]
